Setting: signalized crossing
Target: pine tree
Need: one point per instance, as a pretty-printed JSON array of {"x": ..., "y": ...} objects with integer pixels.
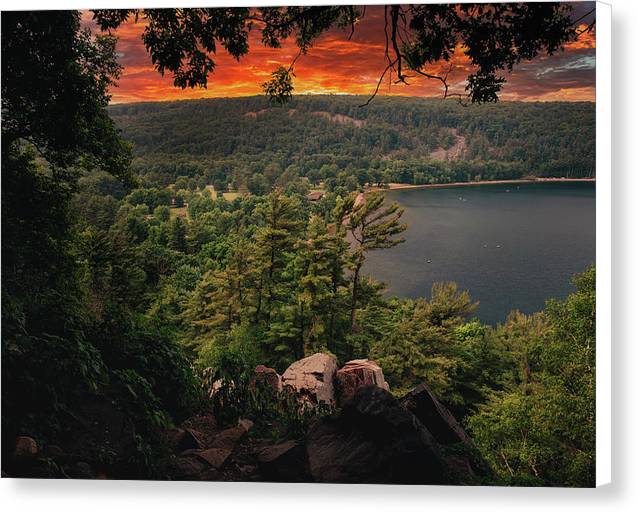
[
  {"x": 372, "y": 225},
  {"x": 178, "y": 235},
  {"x": 223, "y": 297},
  {"x": 315, "y": 295},
  {"x": 274, "y": 242}
]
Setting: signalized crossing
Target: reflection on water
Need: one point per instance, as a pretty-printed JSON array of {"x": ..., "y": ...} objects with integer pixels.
[{"x": 511, "y": 246}]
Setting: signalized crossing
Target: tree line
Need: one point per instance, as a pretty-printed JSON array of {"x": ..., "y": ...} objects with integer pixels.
[{"x": 331, "y": 139}]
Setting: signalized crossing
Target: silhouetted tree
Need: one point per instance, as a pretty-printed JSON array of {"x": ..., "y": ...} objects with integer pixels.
[{"x": 494, "y": 37}]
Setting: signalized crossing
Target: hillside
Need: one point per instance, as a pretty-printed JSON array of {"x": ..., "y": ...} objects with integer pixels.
[{"x": 409, "y": 140}]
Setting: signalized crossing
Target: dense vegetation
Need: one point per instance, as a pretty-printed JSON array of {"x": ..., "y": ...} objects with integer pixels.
[
  {"x": 270, "y": 279},
  {"x": 249, "y": 143},
  {"x": 80, "y": 366}
]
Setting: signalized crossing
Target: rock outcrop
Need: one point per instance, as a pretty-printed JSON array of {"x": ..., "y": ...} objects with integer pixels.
[
  {"x": 463, "y": 464},
  {"x": 373, "y": 440},
  {"x": 356, "y": 374},
  {"x": 312, "y": 378},
  {"x": 187, "y": 469},
  {"x": 371, "y": 436},
  {"x": 422, "y": 402},
  {"x": 284, "y": 462},
  {"x": 222, "y": 446},
  {"x": 206, "y": 460},
  {"x": 180, "y": 440}
]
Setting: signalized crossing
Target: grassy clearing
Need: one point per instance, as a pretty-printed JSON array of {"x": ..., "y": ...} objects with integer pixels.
[
  {"x": 178, "y": 212},
  {"x": 228, "y": 196},
  {"x": 231, "y": 196}
]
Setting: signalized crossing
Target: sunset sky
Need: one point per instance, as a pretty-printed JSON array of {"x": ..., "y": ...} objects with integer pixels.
[{"x": 336, "y": 65}]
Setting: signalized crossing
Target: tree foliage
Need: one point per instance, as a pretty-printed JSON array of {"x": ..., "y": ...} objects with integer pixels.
[
  {"x": 494, "y": 38},
  {"x": 75, "y": 346},
  {"x": 55, "y": 74},
  {"x": 541, "y": 428}
]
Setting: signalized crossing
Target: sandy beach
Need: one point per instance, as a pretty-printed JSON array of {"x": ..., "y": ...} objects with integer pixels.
[{"x": 400, "y": 186}]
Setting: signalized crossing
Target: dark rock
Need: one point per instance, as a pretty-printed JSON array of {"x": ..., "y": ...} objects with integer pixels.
[
  {"x": 228, "y": 438},
  {"x": 210, "y": 474},
  {"x": 181, "y": 440},
  {"x": 25, "y": 447},
  {"x": 204, "y": 427},
  {"x": 189, "y": 452},
  {"x": 284, "y": 462},
  {"x": 373, "y": 440},
  {"x": 459, "y": 470},
  {"x": 81, "y": 470},
  {"x": 222, "y": 446},
  {"x": 28, "y": 461},
  {"x": 356, "y": 374},
  {"x": 173, "y": 437},
  {"x": 52, "y": 451},
  {"x": 188, "y": 468},
  {"x": 464, "y": 465},
  {"x": 431, "y": 413},
  {"x": 216, "y": 456}
]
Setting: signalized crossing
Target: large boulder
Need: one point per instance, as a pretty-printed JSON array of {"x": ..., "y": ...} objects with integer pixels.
[
  {"x": 266, "y": 375},
  {"x": 356, "y": 374},
  {"x": 464, "y": 465},
  {"x": 422, "y": 402},
  {"x": 373, "y": 440},
  {"x": 312, "y": 378},
  {"x": 284, "y": 462}
]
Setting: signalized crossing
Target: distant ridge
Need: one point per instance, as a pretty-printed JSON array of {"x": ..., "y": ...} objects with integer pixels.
[
  {"x": 362, "y": 98},
  {"x": 330, "y": 137}
]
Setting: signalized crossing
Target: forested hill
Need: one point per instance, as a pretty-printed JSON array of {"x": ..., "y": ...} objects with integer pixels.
[{"x": 410, "y": 140}]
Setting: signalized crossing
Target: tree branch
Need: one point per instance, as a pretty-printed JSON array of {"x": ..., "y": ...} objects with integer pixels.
[{"x": 380, "y": 81}]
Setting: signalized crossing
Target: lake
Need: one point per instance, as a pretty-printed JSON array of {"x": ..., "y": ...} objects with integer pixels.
[{"x": 511, "y": 246}]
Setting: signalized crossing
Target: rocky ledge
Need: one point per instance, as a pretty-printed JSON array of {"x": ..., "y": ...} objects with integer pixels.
[{"x": 371, "y": 436}]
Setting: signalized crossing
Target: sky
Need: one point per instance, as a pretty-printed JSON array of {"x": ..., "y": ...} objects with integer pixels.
[{"x": 335, "y": 65}]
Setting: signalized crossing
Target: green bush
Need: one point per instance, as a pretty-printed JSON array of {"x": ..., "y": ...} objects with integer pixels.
[{"x": 155, "y": 356}]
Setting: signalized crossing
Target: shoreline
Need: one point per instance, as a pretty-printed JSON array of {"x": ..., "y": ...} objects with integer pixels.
[{"x": 406, "y": 186}]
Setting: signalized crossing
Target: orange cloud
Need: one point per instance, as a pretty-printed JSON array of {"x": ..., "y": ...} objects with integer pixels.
[{"x": 337, "y": 65}]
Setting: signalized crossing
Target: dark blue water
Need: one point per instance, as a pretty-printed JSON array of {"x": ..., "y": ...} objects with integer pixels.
[{"x": 511, "y": 247}]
